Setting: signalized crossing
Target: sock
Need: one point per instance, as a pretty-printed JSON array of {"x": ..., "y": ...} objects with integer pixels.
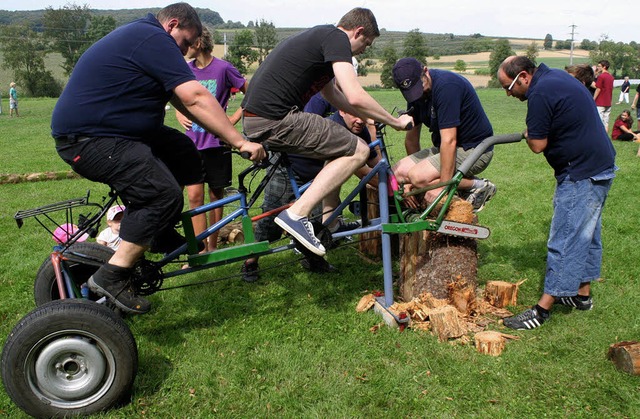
[
  {"x": 477, "y": 183},
  {"x": 293, "y": 216},
  {"x": 542, "y": 311}
]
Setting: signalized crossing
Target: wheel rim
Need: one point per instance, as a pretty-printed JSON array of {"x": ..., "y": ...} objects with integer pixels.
[{"x": 70, "y": 368}]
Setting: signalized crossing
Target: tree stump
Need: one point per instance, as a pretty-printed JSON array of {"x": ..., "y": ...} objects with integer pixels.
[
  {"x": 430, "y": 261},
  {"x": 501, "y": 294},
  {"x": 489, "y": 342},
  {"x": 626, "y": 356},
  {"x": 445, "y": 323},
  {"x": 231, "y": 233}
]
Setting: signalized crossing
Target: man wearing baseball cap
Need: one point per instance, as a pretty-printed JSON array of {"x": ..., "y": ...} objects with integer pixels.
[{"x": 448, "y": 105}]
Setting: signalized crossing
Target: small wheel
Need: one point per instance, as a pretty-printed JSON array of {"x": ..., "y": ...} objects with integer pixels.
[
  {"x": 69, "y": 357},
  {"x": 84, "y": 261}
]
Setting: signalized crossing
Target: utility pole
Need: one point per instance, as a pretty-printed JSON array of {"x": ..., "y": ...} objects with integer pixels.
[
  {"x": 573, "y": 29},
  {"x": 225, "y": 43}
]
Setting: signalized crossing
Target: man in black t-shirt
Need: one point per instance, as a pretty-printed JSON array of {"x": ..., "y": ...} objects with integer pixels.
[{"x": 318, "y": 59}]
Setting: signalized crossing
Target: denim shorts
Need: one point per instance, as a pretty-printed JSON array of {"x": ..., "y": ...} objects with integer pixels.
[{"x": 574, "y": 247}]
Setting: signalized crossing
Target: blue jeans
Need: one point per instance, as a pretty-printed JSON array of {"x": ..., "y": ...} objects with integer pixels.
[{"x": 575, "y": 248}]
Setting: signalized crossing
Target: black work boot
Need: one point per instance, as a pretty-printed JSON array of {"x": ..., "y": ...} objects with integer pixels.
[{"x": 114, "y": 283}]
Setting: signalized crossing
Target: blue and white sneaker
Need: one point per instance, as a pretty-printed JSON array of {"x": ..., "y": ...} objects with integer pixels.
[{"x": 301, "y": 230}]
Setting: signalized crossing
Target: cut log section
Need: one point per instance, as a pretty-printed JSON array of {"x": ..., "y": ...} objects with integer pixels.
[
  {"x": 501, "y": 294},
  {"x": 231, "y": 233},
  {"x": 445, "y": 323},
  {"x": 489, "y": 342},
  {"x": 626, "y": 356}
]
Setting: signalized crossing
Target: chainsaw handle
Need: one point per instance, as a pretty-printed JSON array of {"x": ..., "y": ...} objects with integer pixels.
[{"x": 484, "y": 145}]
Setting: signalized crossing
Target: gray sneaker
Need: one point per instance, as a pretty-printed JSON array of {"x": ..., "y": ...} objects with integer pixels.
[
  {"x": 478, "y": 197},
  {"x": 301, "y": 230}
]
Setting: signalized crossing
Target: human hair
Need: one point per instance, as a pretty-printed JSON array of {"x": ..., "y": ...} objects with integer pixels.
[
  {"x": 583, "y": 72},
  {"x": 604, "y": 63},
  {"x": 205, "y": 41},
  {"x": 360, "y": 17},
  {"x": 627, "y": 111},
  {"x": 187, "y": 16},
  {"x": 514, "y": 65}
]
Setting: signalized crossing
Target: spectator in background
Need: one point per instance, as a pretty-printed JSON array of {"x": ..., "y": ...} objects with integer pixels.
[
  {"x": 13, "y": 99},
  {"x": 622, "y": 128},
  {"x": 624, "y": 91},
  {"x": 110, "y": 236},
  {"x": 604, "y": 92},
  {"x": 585, "y": 74},
  {"x": 219, "y": 77}
]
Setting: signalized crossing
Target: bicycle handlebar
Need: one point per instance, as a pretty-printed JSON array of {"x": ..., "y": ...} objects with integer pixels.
[{"x": 484, "y": 145}]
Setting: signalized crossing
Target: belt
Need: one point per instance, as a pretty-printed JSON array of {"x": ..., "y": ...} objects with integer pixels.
[
  {"x": 249, "y": 114},
  {"x": 71, "y": 139}
]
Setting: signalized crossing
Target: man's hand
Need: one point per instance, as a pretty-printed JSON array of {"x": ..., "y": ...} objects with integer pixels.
[
  {"x": 405, "y": 123},
  {"x": 184, "y": 121},
  {"x": 255, "y": 150}
]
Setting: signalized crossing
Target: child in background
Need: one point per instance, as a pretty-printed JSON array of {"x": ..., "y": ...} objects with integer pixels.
[{"x": 110, "y": 236}]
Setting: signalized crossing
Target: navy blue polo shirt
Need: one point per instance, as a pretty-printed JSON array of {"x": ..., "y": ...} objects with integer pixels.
[
  {"x": 561, "y": 110},
  {"x": 122, "y": 83},
  {"x": 453, "y": 102}
]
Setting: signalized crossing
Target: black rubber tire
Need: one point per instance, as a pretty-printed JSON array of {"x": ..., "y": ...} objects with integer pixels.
[
  {"x": 45, "y": 288},
  {"x": 69, "y": 357}
]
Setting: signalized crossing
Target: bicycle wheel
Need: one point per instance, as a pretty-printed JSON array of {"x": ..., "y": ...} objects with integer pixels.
[
  {"x": 85, "y": 259},
  {"x": 69, "y": 357}
]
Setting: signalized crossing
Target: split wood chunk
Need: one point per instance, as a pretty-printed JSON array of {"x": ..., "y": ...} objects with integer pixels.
[
  {"x": 462, "y": 296},
  {"x": 501, "y": 294},
  {"x": 365, "y": 303},
  {"x": 370, "y": 243},
  {"x": 626, "y": 356},
  {"x": 445, "y": 323},
  {"x": 489, "y": 342},
  {"x": 231, "y": 233}
]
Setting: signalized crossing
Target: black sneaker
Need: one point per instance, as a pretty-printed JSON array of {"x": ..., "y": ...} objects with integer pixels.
[
  {"x": 302, "y": 231},
  {"x": 575, "y": 302},
  {"x": 478, "y": 197},
  {"x": 529, "y": 319},
  {"x": 250, "y": 271},
  {"x": 316, "y": 264},
  {"x": 118, "y": 290}
]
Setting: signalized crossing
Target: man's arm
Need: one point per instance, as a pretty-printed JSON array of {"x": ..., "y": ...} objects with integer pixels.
[
  {"x": 449, "y": 138},
  {"x": 238, "y": 113},
  {"x": 198, "y": 104},
  {"x": 635, "y": 100},
  {"x": 357, "y": 100},
  {"x": 537, "y": 145},
  {"x": 412, "y": 140}
]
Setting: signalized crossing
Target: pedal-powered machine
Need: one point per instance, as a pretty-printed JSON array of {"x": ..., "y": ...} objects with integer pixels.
[{"x": 75, "y": 355}]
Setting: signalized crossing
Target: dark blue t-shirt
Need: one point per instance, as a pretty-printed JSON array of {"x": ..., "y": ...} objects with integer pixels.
[
  {"x": 453, "y": 102},
  {"x": 561, "y": 110},
  {"x": 121, "y": 84},
  {"x": 306, "y": 168}
]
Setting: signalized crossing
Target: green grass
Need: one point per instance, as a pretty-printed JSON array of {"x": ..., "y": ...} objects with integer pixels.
[{"x": 292, "y": 344}]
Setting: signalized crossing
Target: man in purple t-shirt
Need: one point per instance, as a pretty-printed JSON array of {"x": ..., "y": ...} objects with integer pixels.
[
  {"x": 218, "y": 76},
  {"x": 604, "y": 92}
]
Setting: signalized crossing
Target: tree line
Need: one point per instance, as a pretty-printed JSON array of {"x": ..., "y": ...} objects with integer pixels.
[{"x": 71, "y": 29}]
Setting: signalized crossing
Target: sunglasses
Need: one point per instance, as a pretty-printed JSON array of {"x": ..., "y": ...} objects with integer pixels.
[{"x": 508, "y": 89}]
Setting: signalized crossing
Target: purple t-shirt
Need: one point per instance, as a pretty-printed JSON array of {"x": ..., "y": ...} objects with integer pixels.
[{"x": 218, "y": 77}]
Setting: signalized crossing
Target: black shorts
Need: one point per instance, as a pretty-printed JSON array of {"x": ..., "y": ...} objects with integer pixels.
[{"x": 217, "y": 167}]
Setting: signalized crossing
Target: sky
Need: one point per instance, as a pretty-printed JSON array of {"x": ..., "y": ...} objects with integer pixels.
[{"x": 593, "y": 19}]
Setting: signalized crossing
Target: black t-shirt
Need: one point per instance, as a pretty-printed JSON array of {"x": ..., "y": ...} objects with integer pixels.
[{"x": 295, "y": 70}]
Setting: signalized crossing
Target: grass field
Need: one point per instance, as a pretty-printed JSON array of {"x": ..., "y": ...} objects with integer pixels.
[{"x": 292, "y": 345}]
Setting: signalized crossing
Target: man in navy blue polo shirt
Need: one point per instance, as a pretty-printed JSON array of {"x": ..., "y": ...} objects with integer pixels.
[
  {"x": 563, "y": 124},
  {"x": 447, "y": 104},
  {"x": 109, "y": 126}
]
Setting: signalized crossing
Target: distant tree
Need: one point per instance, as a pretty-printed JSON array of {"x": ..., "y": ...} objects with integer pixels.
[
  {"x": 532, "y": 52},
  {"x": 241, "y": 54},
  {"x": 266, "y": 39},
  {"x": 548, "y": 42},
  {"x": 365, "y": 61},
  {"x": 588, "y": 45},
  {"x": 415, "y": 46},
  {"x": 24, "y": 51},
  {"x": 460, "y": 66},
  {"x": 66, "y": 28},
  {"x": 623, "y": 58},
  {"x": 251, "y": 25},
  {"x": 217, "y": 37},
  {"x": 99, "y": 27},
  {"x": 501, "y": 50},
  {"x": 389, "y": 58},
  {"x": 563, "y": 44}
]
